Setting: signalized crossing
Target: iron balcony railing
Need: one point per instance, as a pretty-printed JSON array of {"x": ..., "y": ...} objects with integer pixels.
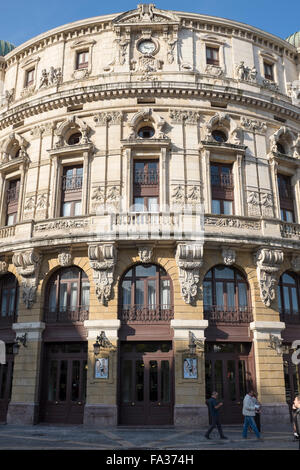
[
  {"x": 67, "y": 314},
  {"x": 220, "y": 314},
  {"x": 8, "y": 318},
  {"x": 140, "y": 313},
  {"x": 71, "y": 183},
  {"x": 223, "y": 180},
  {"x": 292, "y": 318},
  {"x": 149, "y": 177}
]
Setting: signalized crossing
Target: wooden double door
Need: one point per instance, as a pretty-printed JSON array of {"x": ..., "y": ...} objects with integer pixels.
[
  {"x": 64, "y": 383},
  {"x": 146, "y": 383},
  {"x": 229, "y": 370}
]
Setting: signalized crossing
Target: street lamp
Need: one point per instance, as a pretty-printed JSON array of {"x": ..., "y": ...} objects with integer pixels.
[
  {"x": 195, "y": 343},
  {"x": 276, "y": 343}
]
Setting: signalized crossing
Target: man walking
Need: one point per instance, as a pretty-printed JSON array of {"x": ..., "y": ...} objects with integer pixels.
[
  {"x": 249, "y": 408},
  {"x": 214, "y": 407}
]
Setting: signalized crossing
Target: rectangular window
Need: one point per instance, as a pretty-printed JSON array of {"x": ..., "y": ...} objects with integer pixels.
[
  {"x": 82, "y": 60},
  {"x": 286, "y": 198},
  {"x": 146, "y": 186},
  {"x": 222, "y": 189},
  {"x": 212, "y": 55},
  {"x": 268, "y": 71},
  {"x": 71, "y": 191},
  {"x": 12, "y": 200},
  {"x": 29, "y": 77}
]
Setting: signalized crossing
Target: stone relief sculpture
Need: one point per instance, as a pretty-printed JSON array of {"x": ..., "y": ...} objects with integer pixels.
[
  {"x": 189, "y": 259},
  {"x": 103, "y": 258},
  {"x": 27, "y": 264},
  {"x": 245, "y": 73},
  {"x": 145, "y": 253},
  {"x": 268, "y": 263},
  {"x": 53, "y": 77}
]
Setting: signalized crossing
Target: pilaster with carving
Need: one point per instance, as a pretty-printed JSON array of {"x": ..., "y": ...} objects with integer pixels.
[
  {"x": 28, "y": 264},
  {"x": 268, "y": 263},
  {"x": 103, "y": 258},
  {"x": 189, "y": 259}
]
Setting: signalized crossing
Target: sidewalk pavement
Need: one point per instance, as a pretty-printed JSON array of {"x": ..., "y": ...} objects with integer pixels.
[{"x": 80, "y": 437}]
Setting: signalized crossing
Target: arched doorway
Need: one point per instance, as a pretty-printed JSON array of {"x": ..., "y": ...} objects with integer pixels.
[
  {"x": 146, "y": 353},
  {"x": 64, "y": 365},
  {"x": 229, "y": 354}
]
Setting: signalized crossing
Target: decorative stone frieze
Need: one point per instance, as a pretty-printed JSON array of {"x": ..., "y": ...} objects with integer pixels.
[
  {"x": 232, "y": 222},
  {"x": 109, "y": 117},
  {"x": 270, "y": 85},
  {"x": 103, "y": 258},
  {"x": 189, "y": 259},
  {"x": 179, "y": 116},
  {"x": 229, "y": 256},
  {"x": 295, "y": 263},
  {"x": 215, "y": 71},
  {"x": 27, "y": 264},
  {"x": 260, "y": 204},
  {"x": 145, "y": 253},
  {"x": 253, "y": 125},
  {"x": 268, "y": 263}
]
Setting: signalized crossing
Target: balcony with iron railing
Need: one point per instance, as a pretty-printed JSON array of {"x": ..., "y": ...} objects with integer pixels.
[
  {"x": 220, "y": 314},
  {"x": 222, "y": 180},
  {"x": 7, "y": 319},
  {"x": 149, "y": 314},
  {"x": 67, "y": 314},
  {"x": 291, "y": 317},
  {"x": 71, "y": 183},
  {"x": 146, "y": 177}
]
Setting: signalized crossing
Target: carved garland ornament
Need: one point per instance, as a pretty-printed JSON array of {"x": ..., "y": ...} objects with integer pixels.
[
  {"x": 189, "y": 259},
  {"x": 268, "y": 262},
  {"x": 103, "y": 258},
  {"x": 27, "y": 264}
]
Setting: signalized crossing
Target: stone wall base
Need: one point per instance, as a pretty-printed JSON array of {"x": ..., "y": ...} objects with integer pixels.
[
  {"x": 190, "y": 415},
  {"x": 275, "y": 415},
  {"x": 100, "y": 415},
  {"x": 22, "y": 413}
]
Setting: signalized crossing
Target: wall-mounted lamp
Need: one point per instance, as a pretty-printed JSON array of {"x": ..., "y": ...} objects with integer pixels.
[
  {"x": 19, "y": 340},
  {"x": 195, "y": 343},
  {"x": 276, "y": 344},
  {"x": 101, "y": 342}
]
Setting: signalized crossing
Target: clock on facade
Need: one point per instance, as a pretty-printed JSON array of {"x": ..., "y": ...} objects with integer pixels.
[{"x": 146, "y": 47}]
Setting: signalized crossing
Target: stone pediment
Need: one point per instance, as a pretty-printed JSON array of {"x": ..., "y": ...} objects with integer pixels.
[{"x": 146, "y": 14}]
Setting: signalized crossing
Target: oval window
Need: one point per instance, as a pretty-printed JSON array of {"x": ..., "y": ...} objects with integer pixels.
[
  {"x": 219, "y": 136},
  {"x": 146, "y": 132}
]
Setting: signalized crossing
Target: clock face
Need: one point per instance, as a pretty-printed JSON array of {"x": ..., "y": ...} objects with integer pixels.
[{"x": 146, "y": 47}]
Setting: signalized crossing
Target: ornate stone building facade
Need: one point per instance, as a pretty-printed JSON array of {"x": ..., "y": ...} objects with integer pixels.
[{"x": 149, "y": 186}]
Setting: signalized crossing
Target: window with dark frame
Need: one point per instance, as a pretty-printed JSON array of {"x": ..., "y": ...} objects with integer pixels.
[
  {"x": 71, "y": 191},
  {"x": 82, "y": 59},
  {"x": 29, "y": 77},
  {"x": 222, "y": 188},
  {"x": 146, "y": 186},
  {"x": 67, "y": 296},
  {"x": 269, "y": 71},
  {"x": 212, "y": 55},
  {"x": 286, "y": 198},
  {"x": 146, "y": 294},
  {"x": 289, "y": 297},
  {"x": 226, "y": 295},
  {"x": 12, "y": 201}
]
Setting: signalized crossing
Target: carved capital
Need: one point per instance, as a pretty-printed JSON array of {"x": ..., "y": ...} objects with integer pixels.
[
  {"x": 103, "y": 258},
  {"x": 189, "y": 259},
  {"x": 268, "y": 263}
]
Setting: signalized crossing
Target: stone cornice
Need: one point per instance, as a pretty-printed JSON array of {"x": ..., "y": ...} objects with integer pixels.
[{"x": 116, "y": 90}]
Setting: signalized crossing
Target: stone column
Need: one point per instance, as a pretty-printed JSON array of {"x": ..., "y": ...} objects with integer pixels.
[
  {"x": 24, "y": 405},
  {"x": 270, "y": 374},
  {"x": 101, "y": 407},
  {"x": 190, "y": 407}
]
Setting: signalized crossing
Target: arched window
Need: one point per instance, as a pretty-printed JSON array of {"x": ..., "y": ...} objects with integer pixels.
[
  {"x": 9, "y": 298},
  {"x": 146, "y": 294},
  {"x": 226, "y": 296},
  {"x": 67, "y": 296},
  {"x": 288, "y": 297}
]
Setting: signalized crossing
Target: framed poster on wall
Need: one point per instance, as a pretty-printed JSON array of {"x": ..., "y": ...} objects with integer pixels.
[
  {"x": 190, "y": 368},
  {"x": 101, "y": 368}
]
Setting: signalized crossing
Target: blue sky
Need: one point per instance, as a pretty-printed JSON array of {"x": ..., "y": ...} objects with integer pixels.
[{"x": 21, "y": 20}]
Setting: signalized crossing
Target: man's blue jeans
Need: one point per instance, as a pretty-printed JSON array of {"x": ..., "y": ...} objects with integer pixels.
[{"x": 249, "y": 421}]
